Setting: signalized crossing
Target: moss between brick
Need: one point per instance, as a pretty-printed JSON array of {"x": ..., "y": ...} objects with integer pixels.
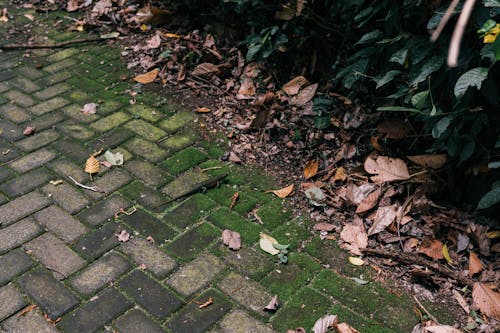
[
  {"x": 291, "y": 233},
  {"x": 274, "y": 214},
  {"x": 183, "y": 160},
  {"x": 225, "y": 219},
  {"x": 213, "y": 150},
  {"x": 145, "y": 129}
]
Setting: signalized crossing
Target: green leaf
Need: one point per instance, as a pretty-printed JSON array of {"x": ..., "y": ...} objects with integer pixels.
[
  {"x": 321, "y": 122},
  {"x": 491, "y": 3},
  {"x": 386, "y": 78},
  {"x": 430, "y": 67},
  {"x": 281, "y": 247},
  {"x": 472, "y": 78},
  {"x": 369, "y": 37},
  {"x": 440, "y": 127},
  {"x": 418, "y": 100},
  {"x": 489, "y": 199},
  {"x": 496, "y": 48},
  {"x": 398, "y": 109},
  {"x": 399, "y": 56},
  {"x": 467, "y": 149},
  {"x": 487, "y": 26}
]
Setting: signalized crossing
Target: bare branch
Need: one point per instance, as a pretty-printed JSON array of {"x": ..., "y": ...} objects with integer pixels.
[
  {"x": 444, "y": 20},
  {"x": 458, "y": 33}
]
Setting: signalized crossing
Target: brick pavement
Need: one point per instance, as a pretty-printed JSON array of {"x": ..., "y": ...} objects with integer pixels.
[{"x": 58, "y": 248}]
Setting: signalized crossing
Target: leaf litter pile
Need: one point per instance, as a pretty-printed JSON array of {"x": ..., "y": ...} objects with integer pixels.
[{"x": 352, "y": 176}]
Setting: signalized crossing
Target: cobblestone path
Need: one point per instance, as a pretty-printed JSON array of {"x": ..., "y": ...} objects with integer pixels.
[{"x": 58, "y": 248}]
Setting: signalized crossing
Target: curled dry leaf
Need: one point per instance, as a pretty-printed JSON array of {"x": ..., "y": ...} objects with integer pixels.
[
  {"x": 461, "y": 301},
  {"x": 266, "y": 244},
  {"x": 284, "y": 192},
  {"x": 293, "y": 86},
  {"x": 322, "y": 325},
  {"x": 315, "y": 196},
  {"x": 247, "y": 89},
  {"x": 232, "y": 239},
  {"x": 123, "y": 236},
  {"x": 369, "y": 202},
  {"x": 441, "y": 329},
  {"x": 203, "y": 110},
  {"x": 147, "y": 77},
  {"x": 273, "y": 304},
  {"x": 355, "y": 236},
  {"x": 92, "y": 165},
  {"x": 90, "y": 108},
  {"x": 311, "y": 168},
  {"x": 432, "y": 248},
  {"x": 383, "y": 217},
  {"x": 395, "y": 129},
  {"x": 475, "y": 265},
  {"x": 386, "y": 169},
  {"x": 205, "y": 69},
  {"x": 30, "y": 130},
  {"x": 356, "y": 194},
  {"x": 429, "y": 161},
  {"x": 154, "y": 42},
  {"x": 487, "y": 300},
  {"x": 345, "y": 328}
]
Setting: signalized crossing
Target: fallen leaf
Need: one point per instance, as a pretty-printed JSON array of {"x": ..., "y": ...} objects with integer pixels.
[
  {"x": 90, "y": 108},
  {"x": 30, "y": 130},
  {"x": 297, "y": 330},
  {"x": 356, "y": 261},
  {"x": 92, "y": 166},
  {"x": 493, "y": 234},
  {"x": 305, "y": 95},
  {"x": 203, "y": 110},
  {"x": 267, "y": 242},
  {"x": 4, "y": 18},
  {"x": 369, "y": 201},
  {"x": 147, "y": 77},
  {"x": 284, "y": 192},
  {"x": 247, "y": 89},
  {"x": 29, "y": 17},
  {"x": 347, "y": 151},
  {"x": 234, "y": 198},
  {"x": 446, "y": 254},
  {"x": 26, "y": 310},
  {"x": 232, "y": 239},
  {"x": 154, "y": 42},
  {"x": 210, "y": 301},
  {"x": 441, "y": 329},
  {"x": 72, "y": 5},
  {"x": 205, "y": 69},
  {"x": 340, "y": 174},
  {"x": 375, "y": 144},
  {"x": 311, "y": 169},
  {"x": 355, "y": 194},
  {"x": 322, "y": 325},
  {"x": 355, "y": 236},
  {"x": 475, "y": 264},
  {"x": 386, "y": 169},
  {"x": 432, "y": 248},
  {"x": 487, "y": 300},
  {"x": 383, "y": 217},
  {"x": 234, "y": 158},
  {"x": 323, "y": 226},
  {"x": 315, "y": 196},
  {"x": 106, "y": 164},
  {"x": 56, "y": 182},
  {"x": 113, "y": 158},
  {"x": 150, "y": 239},
  {"x": 293, "y": 86},
  {"x": 394, "y": 128},
  {"x": 429, "y": 161},
  {"x": 345, "y": 328},
  {"x": 461, "y": 301},
  {"x": 273, "y": 304},
  {"x": 123, "y": 236}
]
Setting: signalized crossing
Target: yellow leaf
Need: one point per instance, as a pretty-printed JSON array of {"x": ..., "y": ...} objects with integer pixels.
[
  {"x": 311, "y": 168},
  {"x": 144, "y": 27},
  {"x": 203, "y": 110},
  {"x": 356, "y": 261},
  {"x": 266, "y": 244},
  {"x": 446, "y": 254},
  {"x": 493, "y": 234},
  {"x": 284, "y": 192},
  {"x": 147, "y": 77},
  {"x": 171, "y": 35}
]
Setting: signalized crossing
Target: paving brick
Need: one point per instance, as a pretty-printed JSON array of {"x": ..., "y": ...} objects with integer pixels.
[
  {"x": 147, "y": 150},
  {"x": 10, "y": 153},
  {"x": 12, "y": 301},
  {"x": 73, "y": 150},
  {"x": 145, "y": 253},
  {"x": 246, "y": 292},
  {"x": 148, "y": 225},
  {"x": 24, "y": 84},
  {"x": 21, "y": 207},
  {"x": 184, "y": 184},
  {"x": 179, "y": 141},
  {"x": 12, "y": 264},
  {"x": 75, "y": 111},
  {"x": 52, "y": 91},
  {"x": 191, "y": 319},
  {"x": 184, "y": 160},
  {"x": 55, "y": 255},
  {"x": 33, "y": 160},
  {"x": 18, "y": 233},
  {"x": 247, "y": 261},
  {"x": 47, "y": 121},
  {"x": 66, "y": 168},
  {"x": 55, "y": 78},
  {"x": 19, "y": 98},
  {"x": 104, "y": 210},
  {"x": 38, "y": 140},
  {"x": 145, "y": 112},
  {"x": 31, "y": 322},
  {"x": 10, "y": 131},
  {"x": 14, "y": 113},
  {"x": 49, "y": 106},
  {"x": 4, "y": 87},
  {"x": 52, "y": 296},
  {"x": 66, "y": 227},
  {"x": 27, "y": 182},
  {"x": 150, "y": 294},
  {"x": 96, "y": 313},
  {"x": 109, "y": 183},
  {"x": 61, "y": 55},
  {"x": 144, "y": 195},
  {"x": 59, "y": 66},
  {"x": 101, "y": 272},
  {"x": 177, "y": 121},
  {"x": 192, "y": 242},
  {"x": 238, "y": 321},
  {"x": 111, "y": 139},
  {"x": 30, "y": 72},
  {"x": 225, "y": 219},
  {"x": 66, "y": 196},
  {"x": 147, "y": 172},
  {"x": 196, "y": 274},
  {"x": 107, "y": 123},
  {"x": 99, "y": 241},
  {"x": 76, "y": 131},
  {"x": 135, "y": 321},
  {"x": 145, "y": 129}
]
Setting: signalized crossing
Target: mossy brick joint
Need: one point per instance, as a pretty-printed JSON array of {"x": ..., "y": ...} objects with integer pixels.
[{"x": 58, "y": 247}]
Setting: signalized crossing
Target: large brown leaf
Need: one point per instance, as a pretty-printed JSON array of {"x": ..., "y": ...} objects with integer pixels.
[
  {"x": 305, "y": 95},
  {"x": 205, "y": 69},
  {"x": 147, "y": 77},
  {"x": 386, "y": 169},
  {"x": 384, "y": 216},
  {"x": 429, "y": 161},
  {"x": 323, "y": 324},
  {"x": 432, "y": 248},
  {"x": 475, "y": 265},
  {"x": 311, "y": 168},
  {"x": 284, "y": 192},
  {"x": 355, "y": 235},
  {"x": 441, "y": 329},
  {"x": 345, "y": 328},
  {"x": 369, "y": 202},
  {"x": 293, "y": 86},
  {"x": 487, "y": 300}
]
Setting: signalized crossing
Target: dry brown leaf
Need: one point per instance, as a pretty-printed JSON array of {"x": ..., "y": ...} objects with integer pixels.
[
  {"x": 90, "y": 108},
  {"x": 234, "y": 198},
  {"x": 203, "y": 110},
  {"x": 154, "y": 42},
  {"x": 475, "y": 265},
  {"x": 234, "y": 158},
  {"x": 147, "y": 77},
  {"x": 123, "y": 236},
  {"x": 441, "y": 329},
  {"x": 293, "y": 86},
  {"x": 393, "y": 129},
  {"x": 383, "y": 217},
  {"x": 355, "y": 236},
  {"x": 247, "y": 89},
  {"x": 273, "y": 304},
  {"x": 429, "y": 161},
  {"x": 323, "y": 226},
  {"x": 206, "y": 69},
  {"x": 410, "y": 244},
  {"x": 340, "y": 174},
  {"x": 369, "y": 202},
  {"x": 232, "y": 239},
  {"x": 356, "y": 194},
  {"x": 347, "y": 151},
  {"x": 322, "y": 325},
  {"x": 92, "y": 165},
  {"x": 305, "y": 95},
  {"x": 284, "y": 192},
  {"x": 461, "y": 301},
  {"x": 26, "y": 310},
  {"x": 345, "y": 328},
  {"x": 375, "y": 144},
  {"x": 432, "y": 248},
  {"x": 72, "y": 5},
  {"x": 487, "y": 300},
  {"x": 311, "y": 168},
  {"x": 30, "y": 130},
  {"x": 386, "y": 169}
]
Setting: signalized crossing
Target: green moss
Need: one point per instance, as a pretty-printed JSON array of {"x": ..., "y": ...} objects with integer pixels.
[
  {"x": 287, "y": 279},
  {"x": 225, "y": 219},
  {"x": 274, "y": 214},
  {"x": 213, "y": 150},
  {"x": 143, "y": 194},
  {"x": 177, "y": 121},
  {"x": 80, "y": 97},
  {"x": 145, "y": 129},
  {"x": 192, "y": 242},
  {"x": 215, "y": 168},
  {"x": 148, "y": 150},
  {"x": 183, "y": 160},
  {"x": 185, "y": 183},
  {"x": 112, "y": 121},
  {"x": 358, "y": 322},
  {"x": 180, "y": 140},
  {"x": 190, "y": 211},
  {"x": 291, "y": 233},
  {"x": 145, "y": 112}
]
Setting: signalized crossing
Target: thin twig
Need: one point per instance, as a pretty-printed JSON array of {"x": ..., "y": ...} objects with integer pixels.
[
  {"x": 458, "y": 33},
  {"x": 425, "y": 310},
  {"x": 90, "y": 188},
  {"x": 211, "y": 168},
  {"x": 50, "y": 46},
  {"x": 444, "y": 20},
  {"x": 57, "y": 271}
]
